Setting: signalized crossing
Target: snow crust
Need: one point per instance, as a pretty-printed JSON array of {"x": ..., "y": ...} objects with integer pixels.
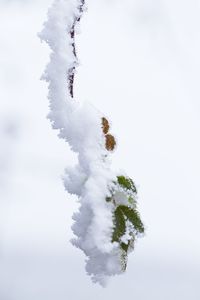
[{"x": 79, "y": 124}]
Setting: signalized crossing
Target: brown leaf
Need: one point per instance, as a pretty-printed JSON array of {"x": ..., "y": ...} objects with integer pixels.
[
  {"x": 105, "y": 125},
  {"x": 110, "y": 142}
]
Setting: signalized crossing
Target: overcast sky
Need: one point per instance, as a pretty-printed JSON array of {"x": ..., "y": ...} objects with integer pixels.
[{"x": 140, "y": 66}]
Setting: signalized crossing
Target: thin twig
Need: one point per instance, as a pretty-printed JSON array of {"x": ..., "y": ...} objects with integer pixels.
[{"x": 72, "y": 33}]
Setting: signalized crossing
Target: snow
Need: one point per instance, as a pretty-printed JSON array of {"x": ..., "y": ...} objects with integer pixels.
[{"x": 80, "y": 125}]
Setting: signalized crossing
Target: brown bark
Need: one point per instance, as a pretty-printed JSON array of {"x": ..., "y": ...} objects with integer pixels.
[
  {"x": 110, "y": 142},
  {"x": 72, "y": 33}
]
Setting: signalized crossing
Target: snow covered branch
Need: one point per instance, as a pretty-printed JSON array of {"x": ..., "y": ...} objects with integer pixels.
[
  {"x": 72, "y": 34},
  {"x": 108, "y": 222}
]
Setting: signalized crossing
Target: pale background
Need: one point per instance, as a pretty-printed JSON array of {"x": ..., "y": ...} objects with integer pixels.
[{"x": 140, "y": 65}]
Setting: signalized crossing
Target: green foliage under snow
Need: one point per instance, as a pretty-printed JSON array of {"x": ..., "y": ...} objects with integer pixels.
[{"x": 127, "y": 224}]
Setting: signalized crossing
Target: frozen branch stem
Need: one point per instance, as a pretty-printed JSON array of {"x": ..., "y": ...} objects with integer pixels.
[
  {"x": 107, "y": 223},
  {"x": 71, "y": 74}
]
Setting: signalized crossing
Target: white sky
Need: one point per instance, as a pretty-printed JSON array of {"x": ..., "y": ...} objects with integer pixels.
[{"x": 140, "y": 66}]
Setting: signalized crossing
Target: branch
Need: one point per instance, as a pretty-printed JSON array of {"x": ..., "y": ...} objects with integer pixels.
[
  {"x": 71, "y": 74},
  {"x": 107, "y": 223}
]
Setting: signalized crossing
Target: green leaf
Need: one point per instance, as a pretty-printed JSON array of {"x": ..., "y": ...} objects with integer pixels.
[
  {"x": 133, "y": 216},
  {"x": 131, "y": 200},
  {"x": 124, "y": 246},
  {"x": 127, "y": 183},
  {"x": 124, "y": 258},
  {"x": 119, "y": 225},
  {"x": 124, "y": 213}
]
